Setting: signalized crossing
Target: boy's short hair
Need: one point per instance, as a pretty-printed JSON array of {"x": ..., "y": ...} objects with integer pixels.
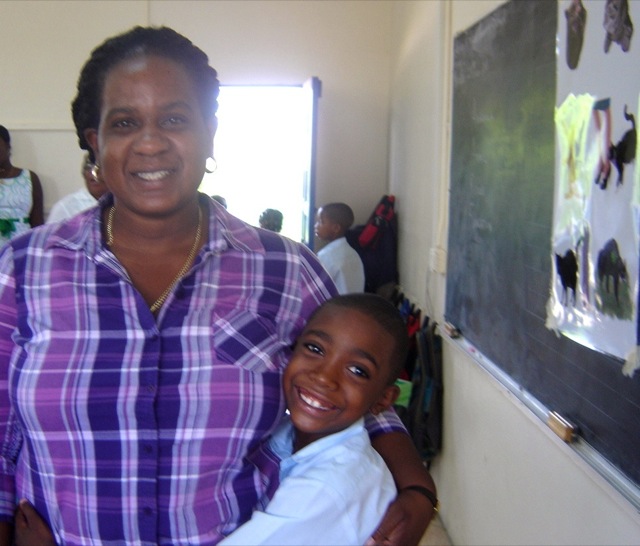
[
  {"x": 339, "y": 213},
  {"x": 386, "y": 315}
]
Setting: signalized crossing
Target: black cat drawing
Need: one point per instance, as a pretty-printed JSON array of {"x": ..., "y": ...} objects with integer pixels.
[
  {"x": 625, "y": 151},
  {"x": 611, "y": 267},
  {"x": 567, "y": 268}
]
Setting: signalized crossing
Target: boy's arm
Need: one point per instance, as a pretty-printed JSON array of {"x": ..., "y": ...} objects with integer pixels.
[
  {"x": 303, "y": 511},
  {"x": 409, "y": 515}
]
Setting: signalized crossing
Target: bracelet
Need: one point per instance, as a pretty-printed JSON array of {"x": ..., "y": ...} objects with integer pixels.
[{"x": 426, "y": 493}]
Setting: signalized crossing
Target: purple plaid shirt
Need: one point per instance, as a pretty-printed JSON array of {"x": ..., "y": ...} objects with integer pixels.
[{"x": 124, "y": 429}]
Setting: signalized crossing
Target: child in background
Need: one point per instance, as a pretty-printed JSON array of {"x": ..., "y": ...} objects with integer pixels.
[
  {"x": 338, "y": 257},
  {"x": 334, "y": 487}
]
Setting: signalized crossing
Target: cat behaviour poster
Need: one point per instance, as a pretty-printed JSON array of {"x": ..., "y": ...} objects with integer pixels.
[{"x": 596, "y": 230}]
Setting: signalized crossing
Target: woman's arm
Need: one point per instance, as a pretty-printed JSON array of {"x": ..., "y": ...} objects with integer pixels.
[
  {"x": 6, "y": 533},
  {"x": 36, "y": 218},
  {"x": 409, "y": 515},
  {"x": 9, "y": 441}
]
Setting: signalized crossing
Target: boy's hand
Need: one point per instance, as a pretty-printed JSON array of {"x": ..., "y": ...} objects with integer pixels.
[{"x": 30, "y": 528}]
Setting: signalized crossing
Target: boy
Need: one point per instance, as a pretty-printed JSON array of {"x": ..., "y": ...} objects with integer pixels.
[
  {"x": 334, "y": 487},
  {"x": 80, "y": 200},
  {"x": 338, "y": 257}
]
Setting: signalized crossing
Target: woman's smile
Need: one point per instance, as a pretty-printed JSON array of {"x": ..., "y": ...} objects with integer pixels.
[{"x": 153, "y": 175}]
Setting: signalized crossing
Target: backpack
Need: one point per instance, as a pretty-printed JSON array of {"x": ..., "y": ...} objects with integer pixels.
[
  {"x": 423, "y": 417},
  {"x": 376, "y": 242}
]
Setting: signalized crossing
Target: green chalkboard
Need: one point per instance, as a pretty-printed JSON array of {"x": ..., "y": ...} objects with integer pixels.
[{"x": 501, "y": 208}]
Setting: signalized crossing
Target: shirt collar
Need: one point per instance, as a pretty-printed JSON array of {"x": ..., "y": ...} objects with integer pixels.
[
  {"x": 225, "y": 231},
  {"x": 282, "y": 443}
]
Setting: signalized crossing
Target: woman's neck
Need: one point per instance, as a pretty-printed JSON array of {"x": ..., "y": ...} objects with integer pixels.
[{"x": 5, "y": 168}]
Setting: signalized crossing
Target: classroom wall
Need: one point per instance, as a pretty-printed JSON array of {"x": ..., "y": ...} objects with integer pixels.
[
  {"x": 345, "y": 44},
  {"x": 503, "y": 477}
]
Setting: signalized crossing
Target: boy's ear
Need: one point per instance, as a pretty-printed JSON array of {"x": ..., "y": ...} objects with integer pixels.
[
  {"x": 336, "y": 230},
  {"x": 386, "y": 400}
]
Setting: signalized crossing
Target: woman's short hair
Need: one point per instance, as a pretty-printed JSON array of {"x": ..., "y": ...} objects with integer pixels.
[
  {"x": 160, "y": 41},
  {"x": 4, "y": 135},
  {"x": 271, "y": 219}
]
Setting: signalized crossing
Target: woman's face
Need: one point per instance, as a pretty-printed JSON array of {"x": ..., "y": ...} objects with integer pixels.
[{"x": 152, "y": 142}]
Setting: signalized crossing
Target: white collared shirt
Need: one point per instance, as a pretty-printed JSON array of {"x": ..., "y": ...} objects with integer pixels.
[
  {"x": 344, "y": 265},
  {"x": 334, "y": 491}
]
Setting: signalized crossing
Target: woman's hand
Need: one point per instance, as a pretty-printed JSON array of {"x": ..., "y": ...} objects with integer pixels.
[
  {"x": 30, "y": 528},
  {"x": 405, "y": 522},
  {"x": 409, "y": 515}
]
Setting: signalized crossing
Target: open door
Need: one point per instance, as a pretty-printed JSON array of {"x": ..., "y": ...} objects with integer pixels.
[
  {"x": 265, "y": 150},
  {"x": 312, "y": 89}
]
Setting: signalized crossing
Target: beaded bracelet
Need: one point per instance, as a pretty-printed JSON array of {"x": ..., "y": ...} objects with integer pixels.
[{"x": 426, "y": 493}]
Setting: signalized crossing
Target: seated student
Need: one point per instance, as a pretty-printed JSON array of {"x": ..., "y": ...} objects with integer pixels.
[
  {"x": 338, "y": 257},
  {"x": 334, "y": 487},
  {"x": 81, "y": 200}
]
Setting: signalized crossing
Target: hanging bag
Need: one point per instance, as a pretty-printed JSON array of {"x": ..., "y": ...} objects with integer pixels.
[
  {"x": 424, "y": 416},
  {"x": 379, "y": 220}
]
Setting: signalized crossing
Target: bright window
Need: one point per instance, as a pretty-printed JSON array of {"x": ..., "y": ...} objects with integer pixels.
[{"x": 260, "y": 149}]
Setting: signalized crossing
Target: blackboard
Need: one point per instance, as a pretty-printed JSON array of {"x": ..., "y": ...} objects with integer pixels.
[{"x": 500, "y": 221}]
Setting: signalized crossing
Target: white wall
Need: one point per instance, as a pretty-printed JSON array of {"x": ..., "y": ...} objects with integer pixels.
[
  {"x": 503, "y": 477},
  {"x": 44, "y": 46},
  {"x": 345, "y": 44}
]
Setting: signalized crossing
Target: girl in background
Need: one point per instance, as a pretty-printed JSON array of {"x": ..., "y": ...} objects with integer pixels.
[{"x": 21, "y": 201}]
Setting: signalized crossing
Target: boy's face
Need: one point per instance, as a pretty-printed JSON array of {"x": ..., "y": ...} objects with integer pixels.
[
  {"x": 339, "y": 370},
  {"x": 324, "y": 228}
]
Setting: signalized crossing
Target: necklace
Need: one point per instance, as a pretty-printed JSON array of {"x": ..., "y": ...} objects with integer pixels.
[{"x": 183, "y": 270}]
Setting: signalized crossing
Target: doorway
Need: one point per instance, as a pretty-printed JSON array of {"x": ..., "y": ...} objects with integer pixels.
[{"x": 265, "y": 154}]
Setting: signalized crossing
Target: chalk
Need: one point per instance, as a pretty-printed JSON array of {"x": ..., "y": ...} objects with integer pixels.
[
  {"x": 451, "y": 330},
  {"x": 563, "y": 428}
]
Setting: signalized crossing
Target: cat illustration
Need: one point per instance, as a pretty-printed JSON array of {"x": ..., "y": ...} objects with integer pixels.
[
  {"x": 625, "y": 151},
  {"x": 611, "y": 266},
  {"x": 567, "y": 268}
]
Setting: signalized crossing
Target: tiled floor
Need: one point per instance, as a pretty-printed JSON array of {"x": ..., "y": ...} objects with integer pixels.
[{"x": 435, "y": 535}]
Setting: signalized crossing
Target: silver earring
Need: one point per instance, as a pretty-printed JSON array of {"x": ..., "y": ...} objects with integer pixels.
[
  {"x": 211, "y": 165},
  {"x": 95, "y": 171}
]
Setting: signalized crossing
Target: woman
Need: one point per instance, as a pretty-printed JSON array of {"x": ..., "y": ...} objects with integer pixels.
[
  {"x": 144, "y": 338},
  {"x": 21, "y": 198}
]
